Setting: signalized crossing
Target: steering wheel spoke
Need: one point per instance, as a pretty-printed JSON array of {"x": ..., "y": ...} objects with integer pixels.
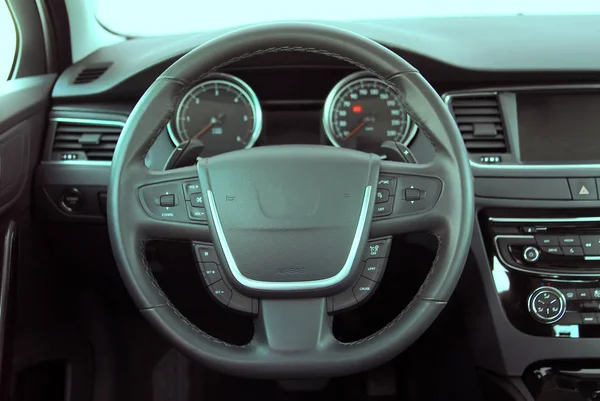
[
  {"x": 293, "y": 326},
  {"x": 411, "y": 198},
  {"x": 168, "y": 205}
]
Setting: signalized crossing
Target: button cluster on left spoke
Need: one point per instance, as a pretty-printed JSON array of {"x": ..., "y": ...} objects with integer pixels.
[{"x": 219, "y": 287}]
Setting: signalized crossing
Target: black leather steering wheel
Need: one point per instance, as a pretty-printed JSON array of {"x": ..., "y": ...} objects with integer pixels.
[{"x": 313, "y": 204}]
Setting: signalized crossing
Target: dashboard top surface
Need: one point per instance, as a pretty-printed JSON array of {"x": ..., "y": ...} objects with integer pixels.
[{"x": 501, "y": 45}]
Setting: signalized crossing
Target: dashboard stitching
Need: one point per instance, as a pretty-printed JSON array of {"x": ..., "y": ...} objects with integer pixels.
[
  {"x": 172, "y": 307},
  {"x": 416, "y": 297}
]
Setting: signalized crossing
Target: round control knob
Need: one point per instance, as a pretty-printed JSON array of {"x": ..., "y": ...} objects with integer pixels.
[
  {"x": 531, "y": 254},
  {"x": 547, "y": 304}
]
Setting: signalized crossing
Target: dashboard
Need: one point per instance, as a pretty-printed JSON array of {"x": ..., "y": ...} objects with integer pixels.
[{"x": 524, "y": 99}]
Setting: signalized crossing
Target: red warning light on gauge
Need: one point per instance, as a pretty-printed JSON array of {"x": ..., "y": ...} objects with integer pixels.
[{"x": 357, "y": 108}]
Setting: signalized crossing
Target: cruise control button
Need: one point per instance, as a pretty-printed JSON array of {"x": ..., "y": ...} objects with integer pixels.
[
  {"x": 383, "y": 209},
  {"x": 382, "y": 195},
  {"x": 210, "y": 272},
  {"x": 553, "y": 250},
  {"x": 569, "y": 240},
  {"x": 196, "y": 199},
  {"x": 363, "y": 289},
  {"x": 387, "y": 182},
  {"x": 206, "y": 253},
  {"x": 572, "y": 250},
  {"x": 546, "y": 240},
  {"x": 378, "y": 248},
  {"x": 374, "y": 268},
  {"x": 221, "y": 292}
]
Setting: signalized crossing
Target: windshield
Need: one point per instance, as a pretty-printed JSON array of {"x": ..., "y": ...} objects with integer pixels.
[{"x": 160, "y": 17}]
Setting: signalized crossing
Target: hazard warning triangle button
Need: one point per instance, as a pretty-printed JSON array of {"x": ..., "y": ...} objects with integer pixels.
[{"x": 583, "y": 188}]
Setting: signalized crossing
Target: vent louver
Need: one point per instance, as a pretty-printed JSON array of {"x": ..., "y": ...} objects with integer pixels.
[
  {"x": 91, "y": 73},
  {"x": 76, "y": 139},
  {"x": 479, "y": 120}
]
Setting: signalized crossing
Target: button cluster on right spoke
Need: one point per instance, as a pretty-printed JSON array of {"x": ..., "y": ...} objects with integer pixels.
[{"x": 374, "y": 259}]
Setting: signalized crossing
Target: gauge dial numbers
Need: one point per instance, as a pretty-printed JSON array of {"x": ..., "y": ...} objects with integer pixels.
[
  {"x": 222, "y": 111},
  {"x": 362, "y": 112}
]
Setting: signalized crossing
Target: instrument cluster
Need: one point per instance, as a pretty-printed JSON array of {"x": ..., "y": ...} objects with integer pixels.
[{"x": 360, "y": 112}]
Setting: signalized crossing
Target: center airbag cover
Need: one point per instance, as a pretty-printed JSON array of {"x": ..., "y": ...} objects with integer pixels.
[{"x": 289, "y": 214}]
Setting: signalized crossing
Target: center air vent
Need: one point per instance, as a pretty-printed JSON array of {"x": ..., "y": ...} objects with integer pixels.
[
  {"x": 479, "y": 120},
  {"x": 79, "y": 139},
  {"x": 91, "y": 73}
]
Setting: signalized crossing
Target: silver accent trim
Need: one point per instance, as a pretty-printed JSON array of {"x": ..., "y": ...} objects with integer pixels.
[
  {"x": 88, "y": 121},
  {"x": 536, "y": 272},
  {"x": 448, "y": 96},
  {"x": 409, "y": 131},
  {"x": 545, "y": 220},
  {"x": 241, "y": 86},
  {"x": 293, "y": 285},
  {"x": 539, "y": 291},
  {"x": 536, "y": 252}
]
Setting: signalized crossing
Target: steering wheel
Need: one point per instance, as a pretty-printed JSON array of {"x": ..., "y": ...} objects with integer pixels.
[{"x": 289, "y": 224}]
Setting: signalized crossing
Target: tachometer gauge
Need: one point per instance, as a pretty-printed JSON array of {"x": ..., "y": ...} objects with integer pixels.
[
  {"x": 222, "y": 111},
  {"x": 362, "y": 112}
]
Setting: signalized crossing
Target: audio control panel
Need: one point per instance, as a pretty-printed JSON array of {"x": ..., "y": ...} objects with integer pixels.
[
  {"x": 553, "y": 246},
  {"x": 547, "y": 273}
]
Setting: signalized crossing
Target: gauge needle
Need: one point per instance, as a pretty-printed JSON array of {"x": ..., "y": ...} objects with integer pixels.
[
  {"x": 355, "y": 130},
  {"x": 212, "y": 122}
]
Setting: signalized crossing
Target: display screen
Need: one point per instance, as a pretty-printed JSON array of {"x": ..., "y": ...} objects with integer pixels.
[{"x": 559, "y": 127}]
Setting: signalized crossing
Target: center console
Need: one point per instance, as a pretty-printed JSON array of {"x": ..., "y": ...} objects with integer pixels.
[
  {"x": 532, "y": 290},
  {"x": 547, "y": 273}
]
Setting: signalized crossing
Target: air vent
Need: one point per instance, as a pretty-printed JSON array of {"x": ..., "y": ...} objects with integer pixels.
[
  {"x": 480, "y": 122},
  {"x": 76, "y": 139},
  {"x": 91, "y": 73}
]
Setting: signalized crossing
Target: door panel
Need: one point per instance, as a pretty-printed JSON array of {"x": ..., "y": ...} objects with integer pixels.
[
  {"x": 24, "y": 105},
  {"x": 23, "y": 115}
]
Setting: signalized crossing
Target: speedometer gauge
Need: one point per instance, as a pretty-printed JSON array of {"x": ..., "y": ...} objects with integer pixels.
[
  {"x": 362, "y": 112},
  {"x": 222, "y": 111}
]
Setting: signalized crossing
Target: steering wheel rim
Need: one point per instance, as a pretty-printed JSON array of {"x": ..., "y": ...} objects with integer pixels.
[{"x": 312, "y": 352}]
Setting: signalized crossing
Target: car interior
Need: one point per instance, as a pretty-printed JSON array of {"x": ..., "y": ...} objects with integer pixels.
[{"x": 392, "y": 208}]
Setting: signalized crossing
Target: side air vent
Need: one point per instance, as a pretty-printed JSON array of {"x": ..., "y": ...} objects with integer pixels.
[
  {"x": 91, "y": 73},
  {"x": 80, "y": 139},
  {"x": 479, "y": 120}
]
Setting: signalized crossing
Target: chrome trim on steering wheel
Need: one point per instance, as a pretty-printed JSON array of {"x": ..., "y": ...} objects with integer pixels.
[{"x": 290, "y": 285}]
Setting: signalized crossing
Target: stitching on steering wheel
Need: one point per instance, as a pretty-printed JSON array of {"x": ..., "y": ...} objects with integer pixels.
[
  {"x": 173, "y": 308},
  {"x": 187, "y": 86},
  {"x": 410, "y": 304}
]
